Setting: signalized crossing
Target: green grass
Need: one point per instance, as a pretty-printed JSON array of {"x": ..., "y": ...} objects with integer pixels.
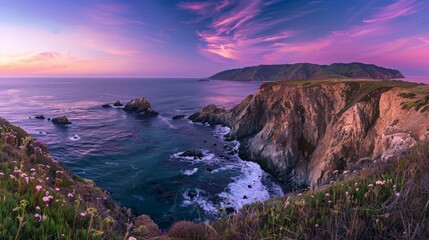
[
  {"x": 421, "y": 103},
  {"x": 407, "y": 95}
]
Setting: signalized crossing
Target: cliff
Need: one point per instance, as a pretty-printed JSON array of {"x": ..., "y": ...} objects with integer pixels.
[
  {"x": 305, "y": 131},
  {"x": 308, "y": 71}
]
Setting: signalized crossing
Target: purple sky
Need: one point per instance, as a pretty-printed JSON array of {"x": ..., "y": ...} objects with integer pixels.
[{"x": 169, "y": 38}]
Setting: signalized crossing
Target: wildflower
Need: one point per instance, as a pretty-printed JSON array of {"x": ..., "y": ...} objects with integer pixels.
[
  {"x": 70, "y": 195},
  {"x": 329, "y": 201},
  {"x": 83, "y": 214},
  {"x": 379, "y": 182},
  {"x": 59, "y": 172},
  {"x": 317, "y": 225},
  {"x": 1, "y": 174},
  {"x": 370, "y": 185},
  {"x": 354, "y": 172},
  {"x": 347, "y": 193},
  {"x": 356, "y": 183},
  {"x": 299, "y": 194},
  {"x": 398, "y": 194},
  {"x": 12, "y": 177},
  {"x": 336, "y": 171},
  {"x": 32, "y": 170},
  {"x": 38, "y": 217},
  {"x": 132, "y": 238},
  {"x": 47, "y": 198},
  {"x": 345, "y": 172},
  {"x": 331, "y": 182},
  {"x": 327, "y": 194},
  {"x": 357, "y": 189},
  {"x": 47, "y": 178},
  {"x": 57, "y": 189},
  {"x": 37, "y": 208}
]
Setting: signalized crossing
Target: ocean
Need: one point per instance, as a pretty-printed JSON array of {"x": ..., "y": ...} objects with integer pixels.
[{"x": 137, "y": 158}]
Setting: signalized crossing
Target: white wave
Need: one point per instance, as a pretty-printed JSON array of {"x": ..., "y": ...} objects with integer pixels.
[
  {"x": 190, "y": 172},
  {"x": 208, "y": 157},
  {"x": 42, "y": 132},
  {"x": 198, "y": 199},
  {"x": 74, "y": 137},
  {"x": 112, "y": 163},
  {"x": 199, "y": 123},
  {"x": 249, "y": 186},
  {"x": 117, "y": 107}
]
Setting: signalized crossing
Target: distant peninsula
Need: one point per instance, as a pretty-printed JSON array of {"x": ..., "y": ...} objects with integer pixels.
[{"x": 308, "y": 71}]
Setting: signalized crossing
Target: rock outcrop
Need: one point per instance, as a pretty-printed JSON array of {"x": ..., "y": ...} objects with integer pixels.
[
  {"x": 118, "y": 104},
  {"x": 303, "y": 132},
  {"x": 140, "y": 105},
  {"x": 63, "y": 120}
]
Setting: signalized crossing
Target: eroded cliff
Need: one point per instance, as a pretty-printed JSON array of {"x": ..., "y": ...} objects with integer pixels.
[{"x": 302, "y": 131}]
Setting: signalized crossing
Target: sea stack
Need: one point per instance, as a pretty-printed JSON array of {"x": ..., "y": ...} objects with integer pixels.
[
  {"x": 140, "y": 105},
  {"x": 63, "y": 120}
]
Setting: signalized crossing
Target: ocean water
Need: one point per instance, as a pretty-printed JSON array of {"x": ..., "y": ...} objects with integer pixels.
[{"x": 136, "y": 158}]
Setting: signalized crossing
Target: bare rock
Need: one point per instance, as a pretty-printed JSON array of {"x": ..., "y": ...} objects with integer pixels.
[
  {"x": 63, "y": 120},
  {"x": 140, "y": 105}
]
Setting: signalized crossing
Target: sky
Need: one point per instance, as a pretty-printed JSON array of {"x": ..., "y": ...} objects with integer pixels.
[{"x": 181, "y": 38}]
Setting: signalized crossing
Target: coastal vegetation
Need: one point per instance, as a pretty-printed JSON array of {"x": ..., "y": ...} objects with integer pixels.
[
  {"x": 39, "y": 199},
  {"x": 386, "y": 200}
]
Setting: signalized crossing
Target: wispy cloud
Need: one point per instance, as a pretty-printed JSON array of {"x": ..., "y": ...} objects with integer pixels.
[
  {"x": 112, "y": 14},
  {"x": 237, "y": 30},
  {"x": 42, "y": 56},
  {"x": 375, "y": 40},
  {"x": 243, "y": 32}
]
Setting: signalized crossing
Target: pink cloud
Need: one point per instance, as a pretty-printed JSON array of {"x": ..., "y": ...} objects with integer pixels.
[
  {"x": 239, "y": 35},
  {"x": 235, "y": 32},
  {"x": 398, "y": 9},
  {"x": 43, "y": 56}
]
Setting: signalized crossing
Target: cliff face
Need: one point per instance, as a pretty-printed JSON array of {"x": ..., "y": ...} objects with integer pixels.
[
  {"x": 307, "y": 71},
  {"x": 303, "y": 131}
]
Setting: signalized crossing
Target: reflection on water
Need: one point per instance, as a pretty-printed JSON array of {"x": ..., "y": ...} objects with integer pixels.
[{"x": 133, "y": 157}]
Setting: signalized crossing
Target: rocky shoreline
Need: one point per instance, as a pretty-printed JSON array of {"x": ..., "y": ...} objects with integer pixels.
[{"x": 304, "y": 131}]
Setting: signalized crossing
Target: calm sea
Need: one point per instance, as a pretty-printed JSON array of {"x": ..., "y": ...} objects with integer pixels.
[{"x": 136, "y": 158}]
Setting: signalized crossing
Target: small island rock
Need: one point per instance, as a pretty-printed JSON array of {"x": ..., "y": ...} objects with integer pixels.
[
  {"x": 118, "y": 104},
  {"x": 61, "y": 120},
  {"x": 39, "y": 117},
  {"x": 140, "y": 105}
]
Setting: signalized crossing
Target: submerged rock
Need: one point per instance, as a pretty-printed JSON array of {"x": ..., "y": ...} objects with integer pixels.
[
  {"x": 177, "y": 117},
  {"x": 106, "y": 106},
  {"x": 61, "y": 120},
  {"x": 39, "y": 117},
  {"x": 118, "y": 104},
  {"x": 140, "y": 105},
  {"x": 193, "y": 153}
]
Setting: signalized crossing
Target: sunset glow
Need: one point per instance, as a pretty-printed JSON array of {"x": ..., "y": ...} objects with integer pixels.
[{"x": 156, "y": 38}]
